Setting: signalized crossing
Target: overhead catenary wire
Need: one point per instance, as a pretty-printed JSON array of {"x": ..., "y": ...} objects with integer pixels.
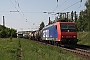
[
  {"x": 26, "y": 12},
  {"x": 70, "y": 6},
  {"x": 78, "y": 8},
  {"x": 21, "y": 13},
  {"x": 80, "y": 4},
  {"x": 67, "y": 7},
  {"x": 17, "y": 10},
  {"x": 13, "y": 5},
  {"x": 59, "y": 5},
  {"x": 42, "y": 12},
  {"x": 5, "y": 11},
  {"x": 62, "y": 3}
]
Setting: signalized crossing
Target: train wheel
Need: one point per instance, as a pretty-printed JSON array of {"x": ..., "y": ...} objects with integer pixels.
[
  {"x": 52, "y": 42},
  {"x": 49, "y": 42},
  {"x": 59, "y": 43},
  {"x": 55, "y": 43}
]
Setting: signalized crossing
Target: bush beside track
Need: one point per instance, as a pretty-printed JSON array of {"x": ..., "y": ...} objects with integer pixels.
[
  {"x": 84, "y": 38},
  {"x": 10, "y": 50}
]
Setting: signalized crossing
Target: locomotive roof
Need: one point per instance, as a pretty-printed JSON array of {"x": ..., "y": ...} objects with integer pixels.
[
  {"x": 56, "y": 23},
  {"x": 67, "y": 22},
  {"x": 48, "y": 26}
]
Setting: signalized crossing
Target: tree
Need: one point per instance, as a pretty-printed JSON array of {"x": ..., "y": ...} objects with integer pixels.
[
  {"x": 80, "y": 22},
  {"x": 41, "y": 25},
  {"x": 83, "y": 23},
  {"x": 50, "y": 22},
  {"x": 87, "y": 4},
  {"x": 75, "y": 16},
  {"x": 5, "y": 32}
]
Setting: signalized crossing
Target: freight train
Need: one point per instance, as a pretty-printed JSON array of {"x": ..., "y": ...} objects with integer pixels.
[{"x": 58, "y": 33}]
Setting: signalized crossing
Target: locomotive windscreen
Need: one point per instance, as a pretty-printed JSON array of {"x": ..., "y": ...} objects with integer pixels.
[{"x": 68, "y": 28}]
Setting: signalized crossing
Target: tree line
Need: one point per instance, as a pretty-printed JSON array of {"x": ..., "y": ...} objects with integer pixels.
[
  {"x": 6, "y": 32},
  {"x": 83, "y": 23}
]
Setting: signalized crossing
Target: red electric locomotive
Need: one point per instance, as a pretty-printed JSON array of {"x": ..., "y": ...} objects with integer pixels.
[
  {"x": 67, "y": 32},
  {"x": 61, "y": 32}
]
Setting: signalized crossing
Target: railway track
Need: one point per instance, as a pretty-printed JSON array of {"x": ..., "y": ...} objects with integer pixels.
[
  {"x": 84, "y": 47},
  {"x": 82, "y": 51},
  {"x": 79, "y": 52}
]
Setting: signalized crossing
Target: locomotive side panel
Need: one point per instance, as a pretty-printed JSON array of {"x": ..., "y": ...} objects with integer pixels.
[
  {"x": 53, "y": 33},
  {"x": 49, "y": 33}
]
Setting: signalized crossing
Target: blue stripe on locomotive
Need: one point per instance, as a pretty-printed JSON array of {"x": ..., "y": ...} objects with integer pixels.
[{"x": 49, "y": 32}]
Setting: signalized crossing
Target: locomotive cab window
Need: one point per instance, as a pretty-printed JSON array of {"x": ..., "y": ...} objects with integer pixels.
[
  {"x": 66, "y": 27},
  {"x": 56, "y": 26},
  {"x": 63, "y": 26},
  {"x": 71, "y": 26}
]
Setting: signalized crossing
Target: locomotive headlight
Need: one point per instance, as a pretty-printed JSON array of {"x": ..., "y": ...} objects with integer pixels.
[
  {"x": 74, "y": 36},
  {"x": 62, "y": 36}
]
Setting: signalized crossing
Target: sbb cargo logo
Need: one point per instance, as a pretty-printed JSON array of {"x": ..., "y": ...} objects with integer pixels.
[{"x": 46, "y": 33}]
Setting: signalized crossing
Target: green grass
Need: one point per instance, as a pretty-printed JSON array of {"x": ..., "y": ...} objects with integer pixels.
[
  {"x": 8, "y": 49},
  {"x": 34, "y": 51},
  {"x": 84, "y": 38}
]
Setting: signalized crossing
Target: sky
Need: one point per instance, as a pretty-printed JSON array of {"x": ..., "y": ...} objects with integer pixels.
[{"x": 25, "y": 15}]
